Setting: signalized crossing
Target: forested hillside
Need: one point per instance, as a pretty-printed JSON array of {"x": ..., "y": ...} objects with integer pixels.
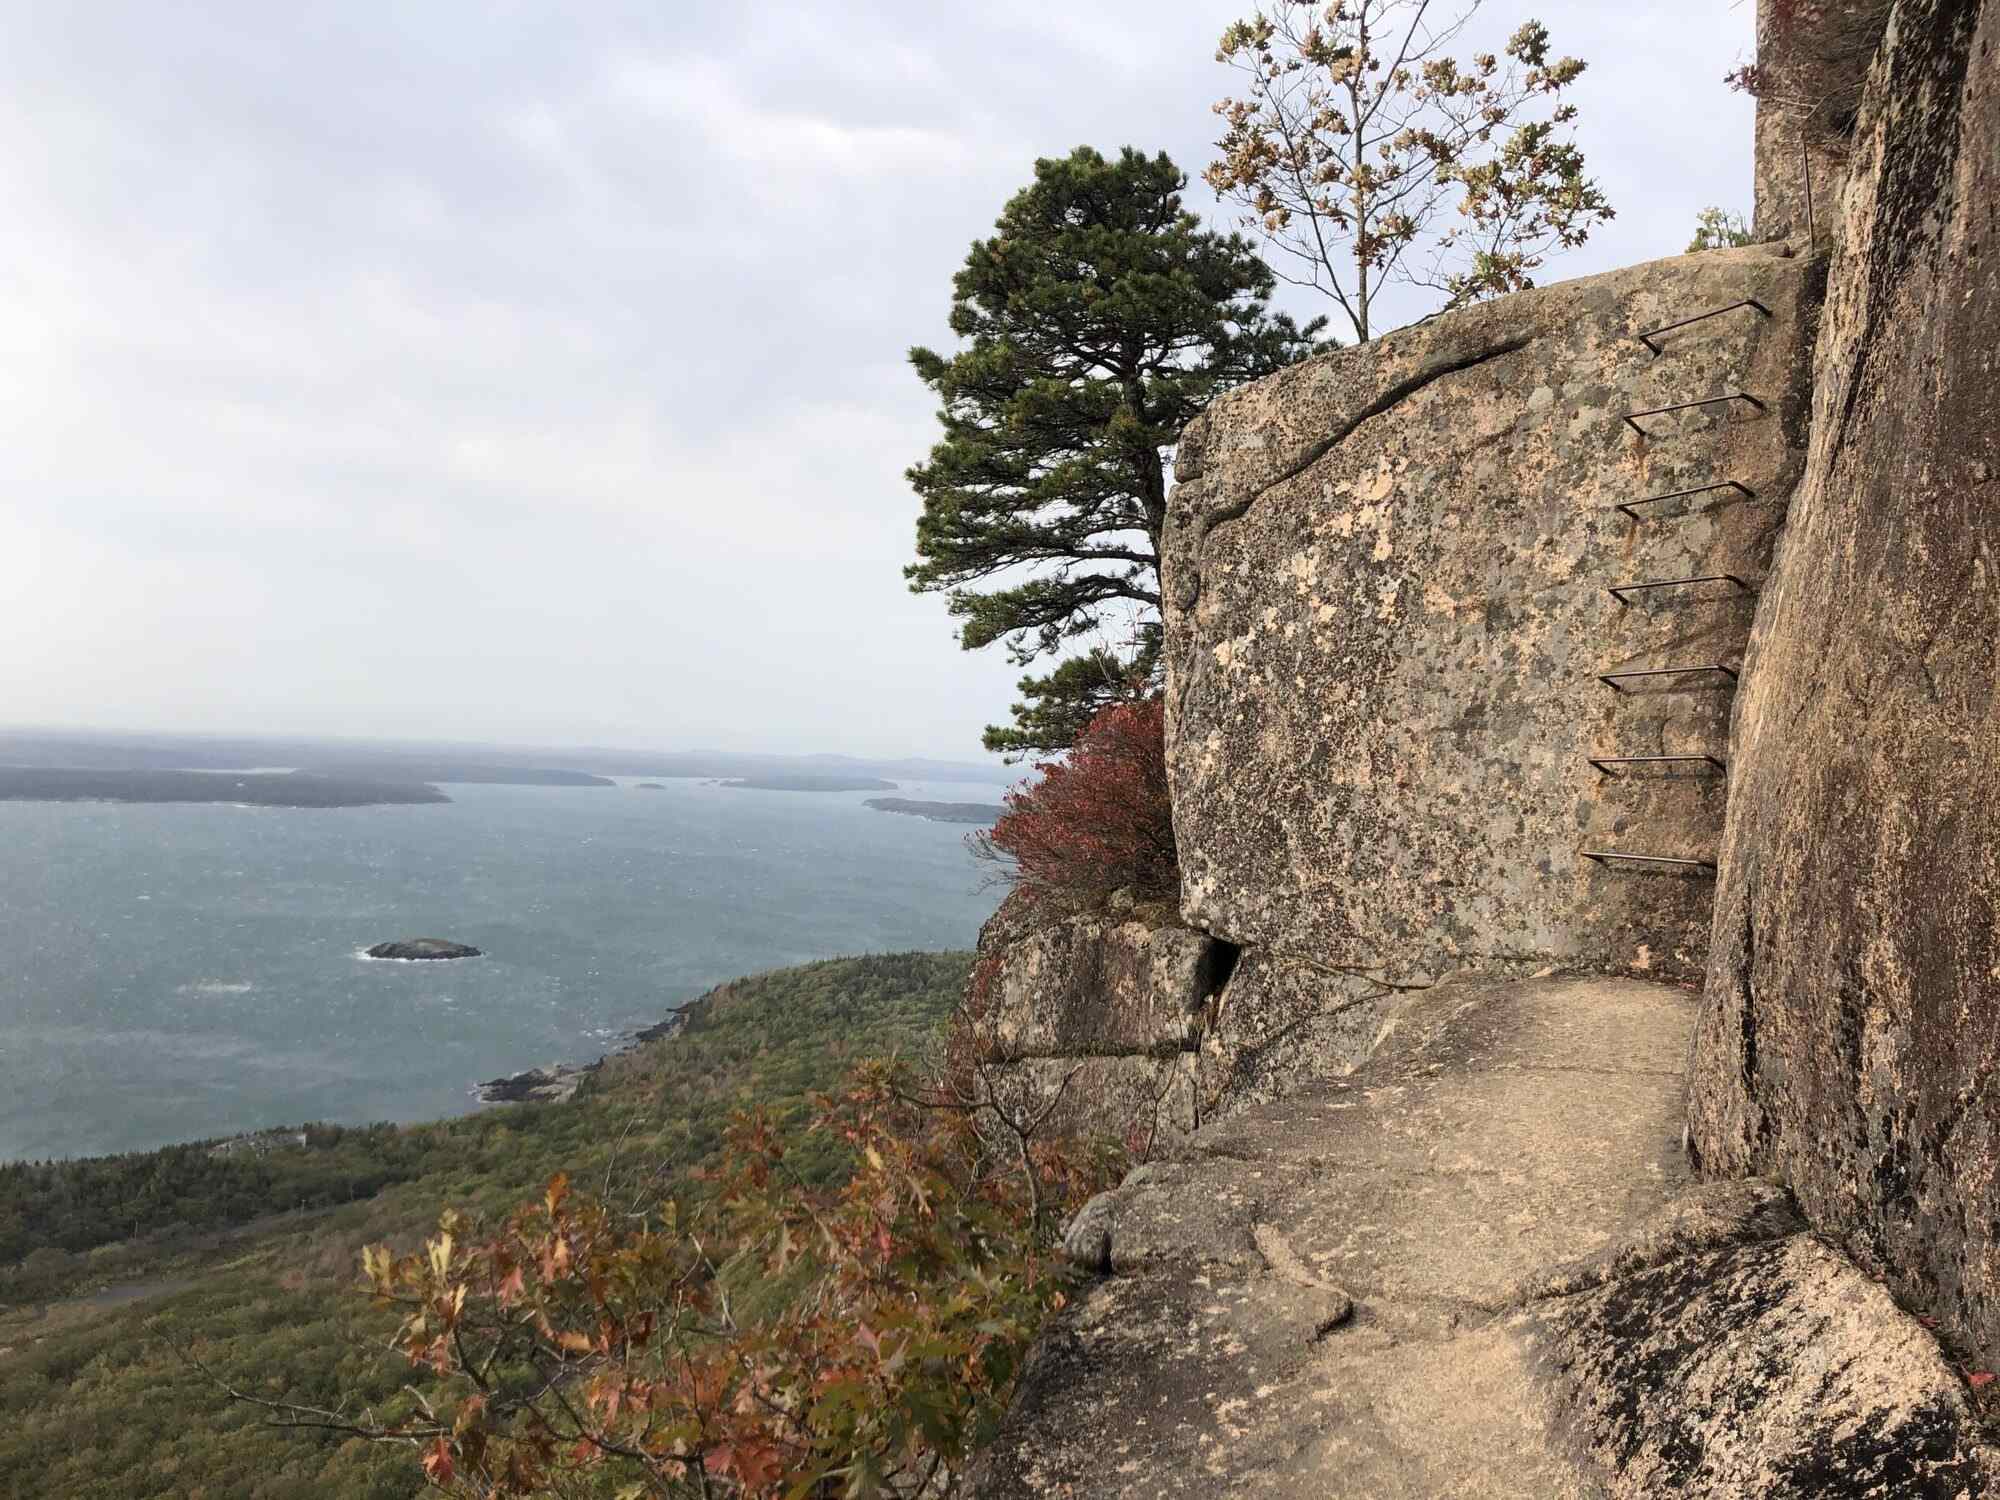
[{"x": 94, "y": 1398}]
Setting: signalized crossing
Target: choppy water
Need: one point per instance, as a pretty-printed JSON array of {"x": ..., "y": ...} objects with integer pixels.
[{"x": 172, "y": 972}]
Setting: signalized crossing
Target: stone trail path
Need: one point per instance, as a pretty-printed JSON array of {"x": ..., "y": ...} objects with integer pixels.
[{"x": 1478, "y": 1267}]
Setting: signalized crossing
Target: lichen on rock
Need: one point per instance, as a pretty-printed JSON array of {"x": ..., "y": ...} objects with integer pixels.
[
  {"x": 1850, "y": 1039},
  {"x": 1386, "y": 575}
]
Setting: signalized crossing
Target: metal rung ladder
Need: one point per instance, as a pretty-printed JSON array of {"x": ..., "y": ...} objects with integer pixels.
[
  {"x": 1650, "y": 334},
  {"x": 1632, "y": 418},
  {"x": 1700, "y": 489},
  {"x": 1604, "y": 763}
]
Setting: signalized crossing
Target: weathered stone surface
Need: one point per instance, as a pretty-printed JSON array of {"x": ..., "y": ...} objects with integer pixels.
[
  {"x": 1146, "y": 1103},
  {"x": 1773, "y": 1369},
  {"x": 1279, "y": 1025},
  {"x": 1384, "y": 573},
  {"x": 1713, "y": 1216},
  {"x": 1085, "y": 1021},
  {"x": 1850, "y": 1037},
  {"x": 1290, "y": 1286},
  {"x": 1094, "y": 985},
  {"x": 1811, "y": 64},
  {"x": 1321, "y": 1299}
]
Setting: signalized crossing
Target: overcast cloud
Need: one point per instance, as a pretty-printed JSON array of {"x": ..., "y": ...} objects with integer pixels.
[{"x": 536, "y": 372}]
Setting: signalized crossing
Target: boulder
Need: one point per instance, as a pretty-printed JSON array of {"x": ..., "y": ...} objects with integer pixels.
[
  {"x": 1850, "y": 1037},
  {"x": 1280, "y": 1024},
  {"x": 1385, "y": 575},
  {"x": 1094, "y": 985},
  {"x": 1090, "y": 1017},
  {"x": 1772, "y": 1368}
]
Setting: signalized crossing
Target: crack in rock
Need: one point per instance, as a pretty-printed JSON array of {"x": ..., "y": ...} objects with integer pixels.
[{"x": 1398, "y": 393}]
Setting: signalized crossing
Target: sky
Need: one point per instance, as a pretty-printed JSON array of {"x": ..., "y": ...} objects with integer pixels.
[{"x": 537, "y": 372}]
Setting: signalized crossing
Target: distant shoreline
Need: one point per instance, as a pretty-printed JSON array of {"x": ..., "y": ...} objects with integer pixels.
[
  {"x": 979, "y": 814},
  {"x": 255, "y": 789},
  {"x": 788, "y": 782},
  {"x": 558, "y": 1081}
]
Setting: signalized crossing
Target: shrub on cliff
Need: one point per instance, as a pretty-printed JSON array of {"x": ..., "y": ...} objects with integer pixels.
[
  {"x": 1098, "y": 820},
  {"x": 774, "y": 1339}
]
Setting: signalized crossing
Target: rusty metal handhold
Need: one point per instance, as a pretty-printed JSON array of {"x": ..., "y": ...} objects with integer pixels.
[
  {"x": 1632, "y": 418},
  {"x": 1700, "y": 489},
  {"x": 1607, "y": 856},
  {"x": 1605, "y": 762},
  {"x": 1650, "y": 334},
  {"x": 1619, "y": 591},
  {"x": 1612, "y": 679}
]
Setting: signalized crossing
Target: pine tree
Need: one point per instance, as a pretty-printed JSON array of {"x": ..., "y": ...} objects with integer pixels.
[{"x": 1099, "y": 320}]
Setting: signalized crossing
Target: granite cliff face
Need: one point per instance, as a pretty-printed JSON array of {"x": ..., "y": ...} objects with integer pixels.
[
  {"x": 1387, "y": 576},
  {"x": 1427, "y": 1215},
  {"x": 1851, "y": 1030}
]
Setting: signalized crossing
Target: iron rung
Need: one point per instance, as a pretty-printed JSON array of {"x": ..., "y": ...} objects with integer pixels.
[
  {"x": 1650, "y": 334},
  {"x": 1607, "y": 856},
  {"x": 1621, "y": 590},
  {"x": 1632, "y": 418},
  {"x": 1612, "y": 679},
  {"x": 1603, "y": 763},
  {"x": 1700, "y": 489}
]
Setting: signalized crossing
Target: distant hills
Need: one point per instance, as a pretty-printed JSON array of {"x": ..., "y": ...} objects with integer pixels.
[
  {"x": 404, "y": 761},
  {"x": 261, "y": 789},
  {"x": 464, "y": 772}
]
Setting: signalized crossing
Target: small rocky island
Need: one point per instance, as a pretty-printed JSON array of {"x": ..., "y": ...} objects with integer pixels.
[
  {"x": 981, "y": 814},
  {"x": 423, "y": 948}
]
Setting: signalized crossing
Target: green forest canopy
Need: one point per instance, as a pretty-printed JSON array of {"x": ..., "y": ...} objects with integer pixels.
[{"x": 94, "y": 1400}]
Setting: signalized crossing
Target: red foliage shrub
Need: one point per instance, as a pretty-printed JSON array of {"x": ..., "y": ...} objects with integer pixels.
[
  {"x": 1098, "y": 820},
  {"x": 770, "y": 1341}
]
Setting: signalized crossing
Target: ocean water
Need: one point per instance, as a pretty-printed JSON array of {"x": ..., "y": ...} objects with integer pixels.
[{"x": 172, "y": 972}]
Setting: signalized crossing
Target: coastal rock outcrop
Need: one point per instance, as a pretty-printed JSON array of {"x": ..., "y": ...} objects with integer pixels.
[
  {"x": 1850, "y": 1037},
  {"x": 423, "y": 949},
  {"x": 1453, "y": 617},
  {"x": 550, "y": 1085}
]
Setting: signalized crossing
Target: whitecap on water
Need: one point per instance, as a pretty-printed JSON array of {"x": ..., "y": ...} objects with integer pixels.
[{"x": 216, "y": 987}]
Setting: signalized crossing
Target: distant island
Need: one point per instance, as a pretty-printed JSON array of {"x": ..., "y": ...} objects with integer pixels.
[
  {"x": 259, "y": 788},
  {"x": 647, "y": 786},
  {"x": 981, "y": 813},
  {"x": 431, "y": 949},
  {"x": 800, "y": 782}
]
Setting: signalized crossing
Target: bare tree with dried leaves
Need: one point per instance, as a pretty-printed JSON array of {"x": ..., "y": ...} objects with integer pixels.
[{"x": 1368, "y": 155}]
